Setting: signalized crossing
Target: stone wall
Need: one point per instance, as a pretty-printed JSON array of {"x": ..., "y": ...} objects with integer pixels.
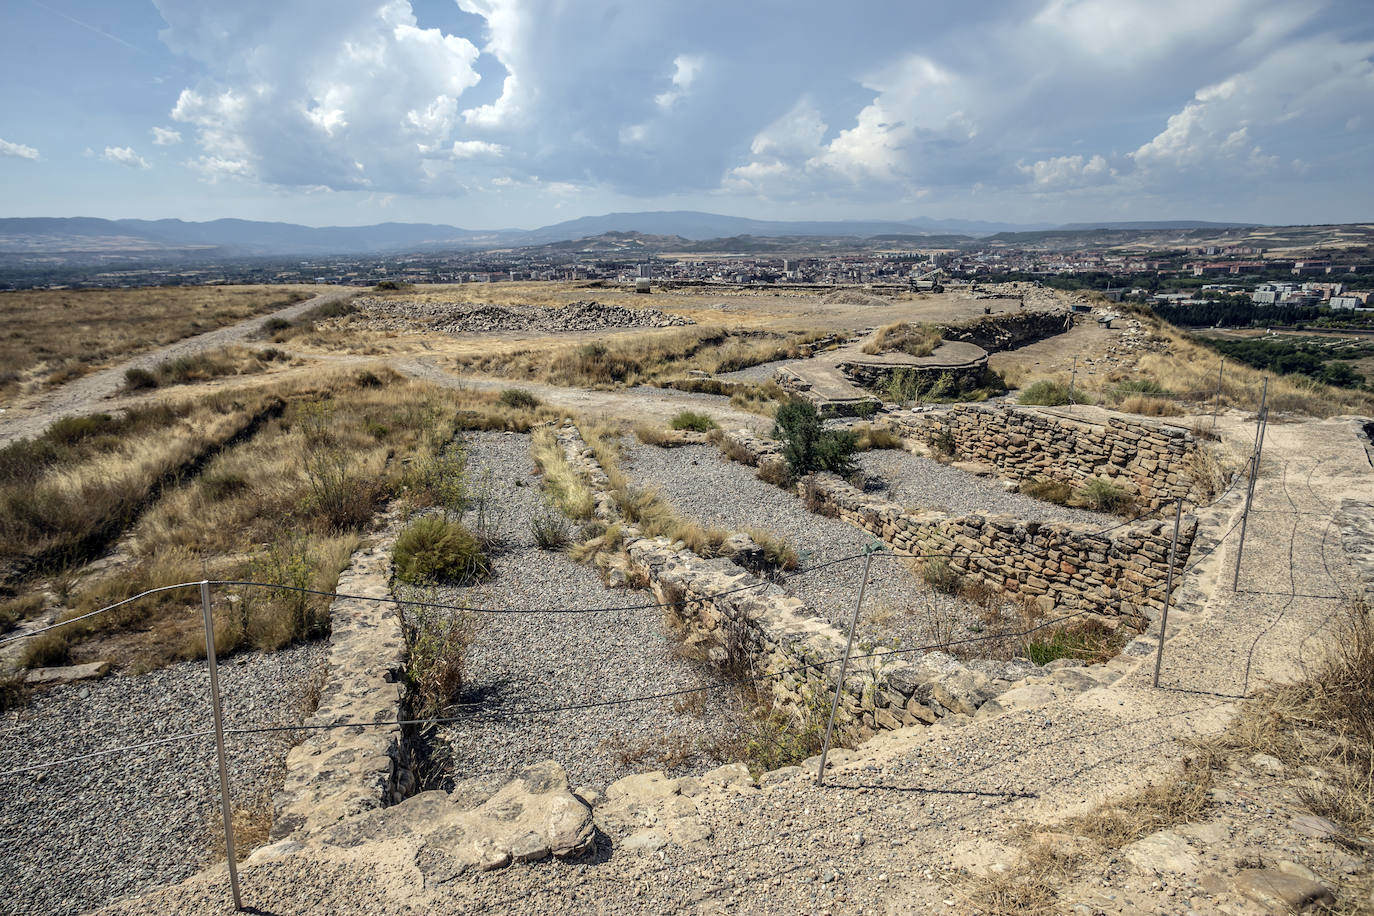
[
  {"x": 740, "y": 617},
  {"x": 338, "y": 772},
  {"x": 1152, "y": 460},
  {"x": 1118, "y": 574},
  {"x": 1003, "y": 332},
  {"x": 875, "y": 376}
]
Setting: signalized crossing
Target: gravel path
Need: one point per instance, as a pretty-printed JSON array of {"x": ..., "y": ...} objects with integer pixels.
[
  {"x": 526, "y": 661},
  {"x": 79, "y": 835},
  {"x": 919, "y": 482},
  {"x": 898, "y": 606},
  {"x": 33, "y": 415}
]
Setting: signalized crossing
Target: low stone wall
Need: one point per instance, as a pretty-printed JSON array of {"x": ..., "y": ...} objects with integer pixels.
[
  {"x": 875, "y": 376},
  {"x": 1118, "y": 574},
  {"x": 737, "y": 615},
  {"x": 339, "y": 772},
  {"x": 1151, "y": 460},
  {"x": 1003, "y": 332}
]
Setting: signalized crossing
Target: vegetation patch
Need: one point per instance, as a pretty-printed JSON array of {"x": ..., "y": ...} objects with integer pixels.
[
  {"x": 692, "y": 421},
  {"x": 807, "y": 446},
  {"x": 914, "y": 340},
  {"x": 1044, "y": 393},
  {"x": 434, "y": 549}
]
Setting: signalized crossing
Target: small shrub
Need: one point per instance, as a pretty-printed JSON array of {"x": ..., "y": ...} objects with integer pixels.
[
  {"x": 940, "y": 576},
  {"x": 220, "y": 485},
  {"x": 47, "y": 650},
  {"x": 653, "y": 435},
  {"x": 944, "y": 444},
  {"x": 737, "y": 453},
  {"x": 876, "y": 437},
  {"x": 1050, "y": 491},
  {"x": 368, "y": 379},
  {"x": 13, "y": 693},
  {"x": 816, "y": 503},
  {"x": 519, "y": 399},
  {"x": 138, "y": 379},
  {"x": 1044, "y": 393},
  {"x": 268, "y": 355},
  {"x": 550, "y": 528},
  {"x": 695, "y": 422},
  {"x": 273, "y": 325},
  {"x": 778, "y": 474},
  {"x": 439, "y": 639},
  {"x": 807, "y": 447},
  {"x": 434, "y": 549},
  {"x": 1090, "y": 642},
  {"x": 778, "y": 552},
  {"x": 1103, "y": 496}
]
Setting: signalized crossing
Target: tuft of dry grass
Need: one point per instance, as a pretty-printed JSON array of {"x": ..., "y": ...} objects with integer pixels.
[
  {"x": 913, "y": 340},
  {"x": 566, "y": 488},
  {"x": 48, "y": 337}
]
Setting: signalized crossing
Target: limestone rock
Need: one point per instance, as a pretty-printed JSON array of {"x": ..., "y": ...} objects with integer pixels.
[
  {"x": 1282, "y": 893},
  {"x": 67, "y": 674},
  {"x": 1162, "y": 852}
]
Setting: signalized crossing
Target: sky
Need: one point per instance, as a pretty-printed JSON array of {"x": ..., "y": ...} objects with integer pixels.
[{"x": 490, "y": 114}]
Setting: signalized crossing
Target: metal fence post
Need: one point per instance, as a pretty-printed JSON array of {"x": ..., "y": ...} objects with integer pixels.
[
  {"x": 844, "y": 668},
  {"x": 1261, "y": 422},
  {"x": 1073, "y": 377},
  {"x": 1168, "y": 590},
  {"x": 219, "y": 744}
]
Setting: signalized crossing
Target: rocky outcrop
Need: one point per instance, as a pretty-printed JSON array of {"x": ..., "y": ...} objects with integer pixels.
[
  {"x": 469, "y": 318},
  {"x": 1154, "y": 461},
  {"x": 338, "y": 772}
]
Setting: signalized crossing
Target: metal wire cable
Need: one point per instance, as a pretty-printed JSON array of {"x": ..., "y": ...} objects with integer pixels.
[{"x": 107, "y": 752}]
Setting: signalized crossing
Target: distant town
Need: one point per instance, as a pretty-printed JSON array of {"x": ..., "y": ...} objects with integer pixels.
[{"x": 1336, "y": 279}]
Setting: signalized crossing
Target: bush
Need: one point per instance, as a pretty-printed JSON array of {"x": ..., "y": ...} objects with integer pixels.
[
  {"x": 439, "y": 640},
  {"x": 808, "y": 447},
  {"x": 1050, "y": 491},
  {"x": 940, "y": 576},
  {"x": 368, "y": 379},
  {"x": 519, "y": 399},
  {"x": 550, "y": 528},
  {"x": 1104, "y": 496},
  {"x": 777, "y": 473},
  {"x": 943, "y": 443},
  {"x": 1045, "y": 393},
  {"x": 695, "y": 422},
  {"x": 218, "y": 485},
  {"x": 137, "y": 379},
  {"x": 433, "y": 549}
]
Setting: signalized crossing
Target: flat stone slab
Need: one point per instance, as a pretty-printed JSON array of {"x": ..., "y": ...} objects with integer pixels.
[
  {"x": 38, "y": 677},
  {"x": 1283, "y": 893}
]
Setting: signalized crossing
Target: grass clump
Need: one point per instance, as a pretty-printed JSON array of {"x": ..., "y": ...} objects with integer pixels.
[
  {"x": 1050, "y": 491},
  {"x": 1104, "y": 496},
  {"x": 519, "y": 399},
  {"x": 693, "y": 422},
  {"x": 550, "y": 528},
  {"x": 940, "y": 576},
  {"x": 438, "y": 640},
  {"x": 807, "y": 447},
  {"x": 435, "y": 549},
  {"x": 567, "y": 490},
  {"x": 1089, "y": 642},
  {"x": 914, "y": 340},
  {"x": 869, "y": 437},
  {"x": 1044, "y": 393}
]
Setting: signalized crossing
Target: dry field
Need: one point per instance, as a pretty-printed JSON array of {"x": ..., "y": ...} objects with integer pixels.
[{"x": 48, "y": 337}]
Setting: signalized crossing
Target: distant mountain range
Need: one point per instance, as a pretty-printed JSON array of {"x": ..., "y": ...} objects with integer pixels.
[{"x": 89, "y": 239}]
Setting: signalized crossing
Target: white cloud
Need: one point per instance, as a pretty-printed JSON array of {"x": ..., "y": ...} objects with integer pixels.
[
  {"x": 17, "y": 150},
  {"x": 351, "y": 94},
  {"x": 472, "y": 149},
  {"x": 685, "y": 70},
  {"x": 165, "y": 136},
  {"x": 124, "y": 155},
  {"x": 1062, "y": 172}
]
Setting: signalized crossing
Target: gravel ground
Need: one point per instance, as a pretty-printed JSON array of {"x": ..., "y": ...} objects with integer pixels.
[
  {"x": 898, "y": 606},
  {"x": 525, "y": 661},
  {"x": 79, "y": 835},
  {"x": 472, "y": 318},
  {"x": 921, "y": 483},
  {"x": 763, "y": 372}
]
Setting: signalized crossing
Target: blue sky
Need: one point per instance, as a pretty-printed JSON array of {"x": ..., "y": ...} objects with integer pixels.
[{"x": 504, "y": 113}]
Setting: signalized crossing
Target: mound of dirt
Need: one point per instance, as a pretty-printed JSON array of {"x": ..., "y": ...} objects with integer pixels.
[
  {"x": 852, "y": 297},
  {"x": 470, "y": 318}
]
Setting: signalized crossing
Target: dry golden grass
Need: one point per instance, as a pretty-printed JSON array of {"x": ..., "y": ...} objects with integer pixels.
[
  {"x": 201, "y": 367},
  {"x": 640, "y": 357},
  {"x": 51, "y": 336},
  {"x": 913, "y": 340},
  {"x": 567, "y": 490},
  {"x": 287, "y": 504}
]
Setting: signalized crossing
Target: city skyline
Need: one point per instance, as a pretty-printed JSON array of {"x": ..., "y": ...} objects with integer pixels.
[{"x": 489, "y": 114}]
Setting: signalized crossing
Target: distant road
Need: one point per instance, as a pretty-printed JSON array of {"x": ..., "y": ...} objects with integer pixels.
[{"x": 31, "y": 416}]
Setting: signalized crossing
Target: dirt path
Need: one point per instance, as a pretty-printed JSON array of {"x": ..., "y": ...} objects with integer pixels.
[
  {"x": 32, "y": 415},
  {"x": 904, "y": 815}
]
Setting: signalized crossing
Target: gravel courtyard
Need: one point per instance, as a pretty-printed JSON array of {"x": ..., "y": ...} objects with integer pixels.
[
  {"x": 898, "y": 606},
  {"x": 527, "y": 661},
  {"x": 85, "y": 833}
]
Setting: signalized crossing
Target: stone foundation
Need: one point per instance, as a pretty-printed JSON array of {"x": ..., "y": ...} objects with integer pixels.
[
  {"x": 1003, "y": 332},
  {"x": 339, "y": 772},
  {"x": 1151, "y": 460}
]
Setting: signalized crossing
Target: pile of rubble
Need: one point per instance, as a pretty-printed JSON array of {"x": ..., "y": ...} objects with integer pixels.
[{"x": 472, "y": 318}]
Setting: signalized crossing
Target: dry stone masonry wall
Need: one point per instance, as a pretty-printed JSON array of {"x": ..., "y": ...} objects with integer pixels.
[
  {"x": 1003, "y": 332},
  {"x": 1120, "y": 573},
  {"x": 339, "y": 772},
  {"x": 1154, "y": 461}
]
